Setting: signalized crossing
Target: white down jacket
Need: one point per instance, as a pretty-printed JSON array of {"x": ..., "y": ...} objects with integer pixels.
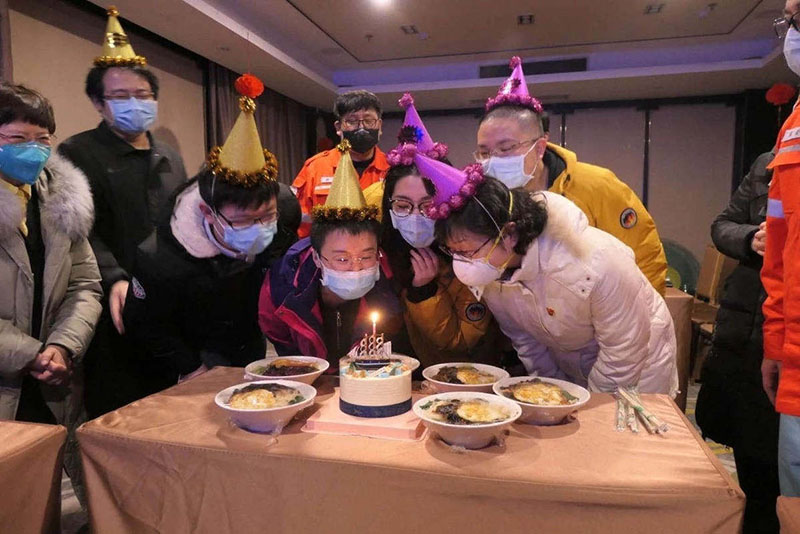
[{"x": 580, "y": 309}]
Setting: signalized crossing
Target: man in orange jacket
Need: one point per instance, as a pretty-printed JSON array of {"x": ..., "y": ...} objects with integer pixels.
[
  {"x": 358, "y": 119},
  {"x": 781, "y": 275}
]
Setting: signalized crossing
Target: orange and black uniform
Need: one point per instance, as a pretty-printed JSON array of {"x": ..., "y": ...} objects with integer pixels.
[
  {"x": 314, "y": 180},
  {"x": 781, "y": 271}
]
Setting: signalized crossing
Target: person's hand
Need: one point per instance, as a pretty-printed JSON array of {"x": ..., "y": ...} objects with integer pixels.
[
  {"x": 52, "y": 366},
  {"x": 770, "y": 374},
  {"x": 425, "y": 263},
  {"x": 759, "y": 243},
  {"x": 116, "y": 303},
  {"x": 197, "y": 372}
]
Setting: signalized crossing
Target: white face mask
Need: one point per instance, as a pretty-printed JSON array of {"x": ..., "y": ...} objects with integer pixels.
[
  {"x": 477, "y": 274},
  {"x": 416, "y": 229},
  {"x": 350, "y": 285},
  {"x": 791, "y": 50},
  {"x": 510, "y": 170}
]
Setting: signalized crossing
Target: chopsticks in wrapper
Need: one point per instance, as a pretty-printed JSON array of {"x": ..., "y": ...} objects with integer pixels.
[{"x": 630, "y": 400}]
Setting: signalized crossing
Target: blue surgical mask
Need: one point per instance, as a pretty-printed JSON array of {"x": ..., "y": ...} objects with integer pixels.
[
  {"x": 23, "y": 161},
  {"x": 133, "y": 115},
  {"x": 509, "y": 170},
  {"x": 416, "y": 229},
  {"x": 249, "y": 241},
  {"x": 350, "y": 285}
]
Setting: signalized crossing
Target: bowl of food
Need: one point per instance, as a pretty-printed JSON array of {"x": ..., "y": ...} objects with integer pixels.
[
  {"x": 462, "y": 376},
  {"x": 304, "y": 369},
  {"x": 544, "y": 401},
  {"x": 265, "y": 405},
  {"x": 468, "y": 419}
]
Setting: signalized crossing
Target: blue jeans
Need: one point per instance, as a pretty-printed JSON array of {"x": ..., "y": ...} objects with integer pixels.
[{"x": 789, "y": 455}]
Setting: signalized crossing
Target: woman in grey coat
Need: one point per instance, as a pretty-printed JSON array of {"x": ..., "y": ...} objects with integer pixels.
[{"x": 50, "y": 297}]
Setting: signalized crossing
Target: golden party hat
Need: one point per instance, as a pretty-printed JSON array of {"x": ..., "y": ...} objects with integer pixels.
[
  {"x": 345, "y": 200},
  {"x": 117, "y": 50},
  {"x": 241, "y": 160}
]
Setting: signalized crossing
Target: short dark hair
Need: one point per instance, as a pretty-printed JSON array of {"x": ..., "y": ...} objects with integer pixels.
[
  {"x": 321, "y": 229},
  {"x": 519, "y": 113},
  {"x": 19, "y": 103},
  {"x": 529, "y": 214},
  {"x": 94, "y": 81},
  {"x": 355, "y": 100},
  {"x": 545, "y": 118},
  {"x": 227, "y": 194}
]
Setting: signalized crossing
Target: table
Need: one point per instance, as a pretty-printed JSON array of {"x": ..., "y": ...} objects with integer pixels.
[
  {"x": 680, "y": 307},
  {"x": 31, "y": 459},
  {"x": 173, "y": 463}
]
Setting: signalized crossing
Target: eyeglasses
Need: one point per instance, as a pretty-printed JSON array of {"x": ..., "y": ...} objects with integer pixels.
[
  {"x": 502, "y": 151},
  {"x": 241, "y": 226},
  {"x": 16, "y": 139},
  {"x": 140, "y": 95},
  {"x": 403, "y": 208},
  {"x": 345, "y": 262},
  {"x": 352, "y": 124},
  {"x": 781, "y": 25},
  {"x": 466, "y": 255}
]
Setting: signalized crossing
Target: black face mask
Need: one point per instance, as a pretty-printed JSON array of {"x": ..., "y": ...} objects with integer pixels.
[{"x": 362, "y": 140}]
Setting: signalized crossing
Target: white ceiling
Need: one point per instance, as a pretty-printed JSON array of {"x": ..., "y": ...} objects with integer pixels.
[{"x": 310, "y": 49}]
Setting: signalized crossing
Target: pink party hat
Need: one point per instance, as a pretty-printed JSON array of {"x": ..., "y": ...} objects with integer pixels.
[
  {"x": 514, "y": 91},
  {"x": 453, "y": 186},
  {"x": 414, "y": 132}
]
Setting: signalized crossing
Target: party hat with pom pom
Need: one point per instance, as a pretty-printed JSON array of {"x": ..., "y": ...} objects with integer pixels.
[
  {"x": 117, "y": 49},
  {"x": 345, "y": 200},
  {"x": 514, "y": 91},
  {"x": 242, "y": 160}
]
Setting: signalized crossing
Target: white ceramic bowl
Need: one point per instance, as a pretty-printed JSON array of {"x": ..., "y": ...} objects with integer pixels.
[
  {"x": 545, "y": 415},
  {"x": 307, "y": 378},
  {"x": 444, "y": 387},
  {"x": 268, "y": 419},
  {"x": 468, "y": 436}
]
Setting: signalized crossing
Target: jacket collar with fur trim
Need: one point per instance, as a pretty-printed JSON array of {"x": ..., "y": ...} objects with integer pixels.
[
  {"x": 65, "y": 201},
  {"x": 187, "y": 224}
]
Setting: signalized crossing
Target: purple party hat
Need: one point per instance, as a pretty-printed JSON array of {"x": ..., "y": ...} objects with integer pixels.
[{"x": 514, "y": 91}]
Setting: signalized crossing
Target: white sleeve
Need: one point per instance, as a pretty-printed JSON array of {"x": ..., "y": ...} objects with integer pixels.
[{"x": 621, "y": 320}]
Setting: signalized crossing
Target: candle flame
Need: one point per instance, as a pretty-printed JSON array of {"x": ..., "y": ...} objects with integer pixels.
[{"x": 374, "y": 316}]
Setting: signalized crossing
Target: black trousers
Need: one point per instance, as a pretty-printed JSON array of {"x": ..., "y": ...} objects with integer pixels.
[{"x": 759, "y": 481}]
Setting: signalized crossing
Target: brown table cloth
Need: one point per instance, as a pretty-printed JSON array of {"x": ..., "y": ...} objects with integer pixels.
[
  {"x": 680, "y": 307},
  {"x": 173, "y": 463},
  {"x": 789, "y": 514},
  {"x": 31, "y": 459}
]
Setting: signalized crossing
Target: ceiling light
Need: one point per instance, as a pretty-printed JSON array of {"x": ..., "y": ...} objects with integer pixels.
[
  {"x": 653, "y": 9},
  {"x": 409, "y": 29},
  {"x": 381, "y": 3},
  {"x": 525, "y": 20}
]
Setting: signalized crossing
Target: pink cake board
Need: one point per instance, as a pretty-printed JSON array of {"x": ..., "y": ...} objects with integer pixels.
[{"x": 329, "y": 419}]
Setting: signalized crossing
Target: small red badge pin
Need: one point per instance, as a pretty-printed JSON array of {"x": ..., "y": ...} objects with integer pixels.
[{"x": 551, "y": 312}]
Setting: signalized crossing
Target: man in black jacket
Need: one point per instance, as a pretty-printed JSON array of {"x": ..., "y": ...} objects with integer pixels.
[
  {"x": 132, "y": 176},
  {"x": 732, "y": 407},
  {"x": 193, "y": 300}
]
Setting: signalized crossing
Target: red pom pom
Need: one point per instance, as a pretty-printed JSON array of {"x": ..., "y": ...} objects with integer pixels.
[
  {"x": 515, "y": 62},
  {"x": 249, "y": 86},
  {"x": 780, "y": 94}
]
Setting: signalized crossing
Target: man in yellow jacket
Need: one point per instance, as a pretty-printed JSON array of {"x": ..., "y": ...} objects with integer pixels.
[{"x": 512, "y": 147}]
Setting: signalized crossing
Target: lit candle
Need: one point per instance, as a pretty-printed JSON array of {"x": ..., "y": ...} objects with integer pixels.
[{"x": 374, "y": 317}]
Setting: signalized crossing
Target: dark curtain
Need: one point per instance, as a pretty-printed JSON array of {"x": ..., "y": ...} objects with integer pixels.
[
  {"x": 282, "y": 122},
  {"x": 6, "y": 72}
]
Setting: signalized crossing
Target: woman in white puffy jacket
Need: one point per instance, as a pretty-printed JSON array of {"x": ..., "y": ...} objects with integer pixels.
[{"x": 568, "y": 295}]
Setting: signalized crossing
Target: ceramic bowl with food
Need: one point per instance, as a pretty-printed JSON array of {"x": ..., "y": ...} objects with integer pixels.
[
  {"x": 468, "y": 419},
  {"x": 265, "y": 405},
  {"x": 544, "y": 401},
  {"x": 463, "y": 376},
  {"x": 304, "y": 369}
]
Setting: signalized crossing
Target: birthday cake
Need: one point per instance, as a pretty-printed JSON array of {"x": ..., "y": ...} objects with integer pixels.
[{"x": 373, "y": 382}]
